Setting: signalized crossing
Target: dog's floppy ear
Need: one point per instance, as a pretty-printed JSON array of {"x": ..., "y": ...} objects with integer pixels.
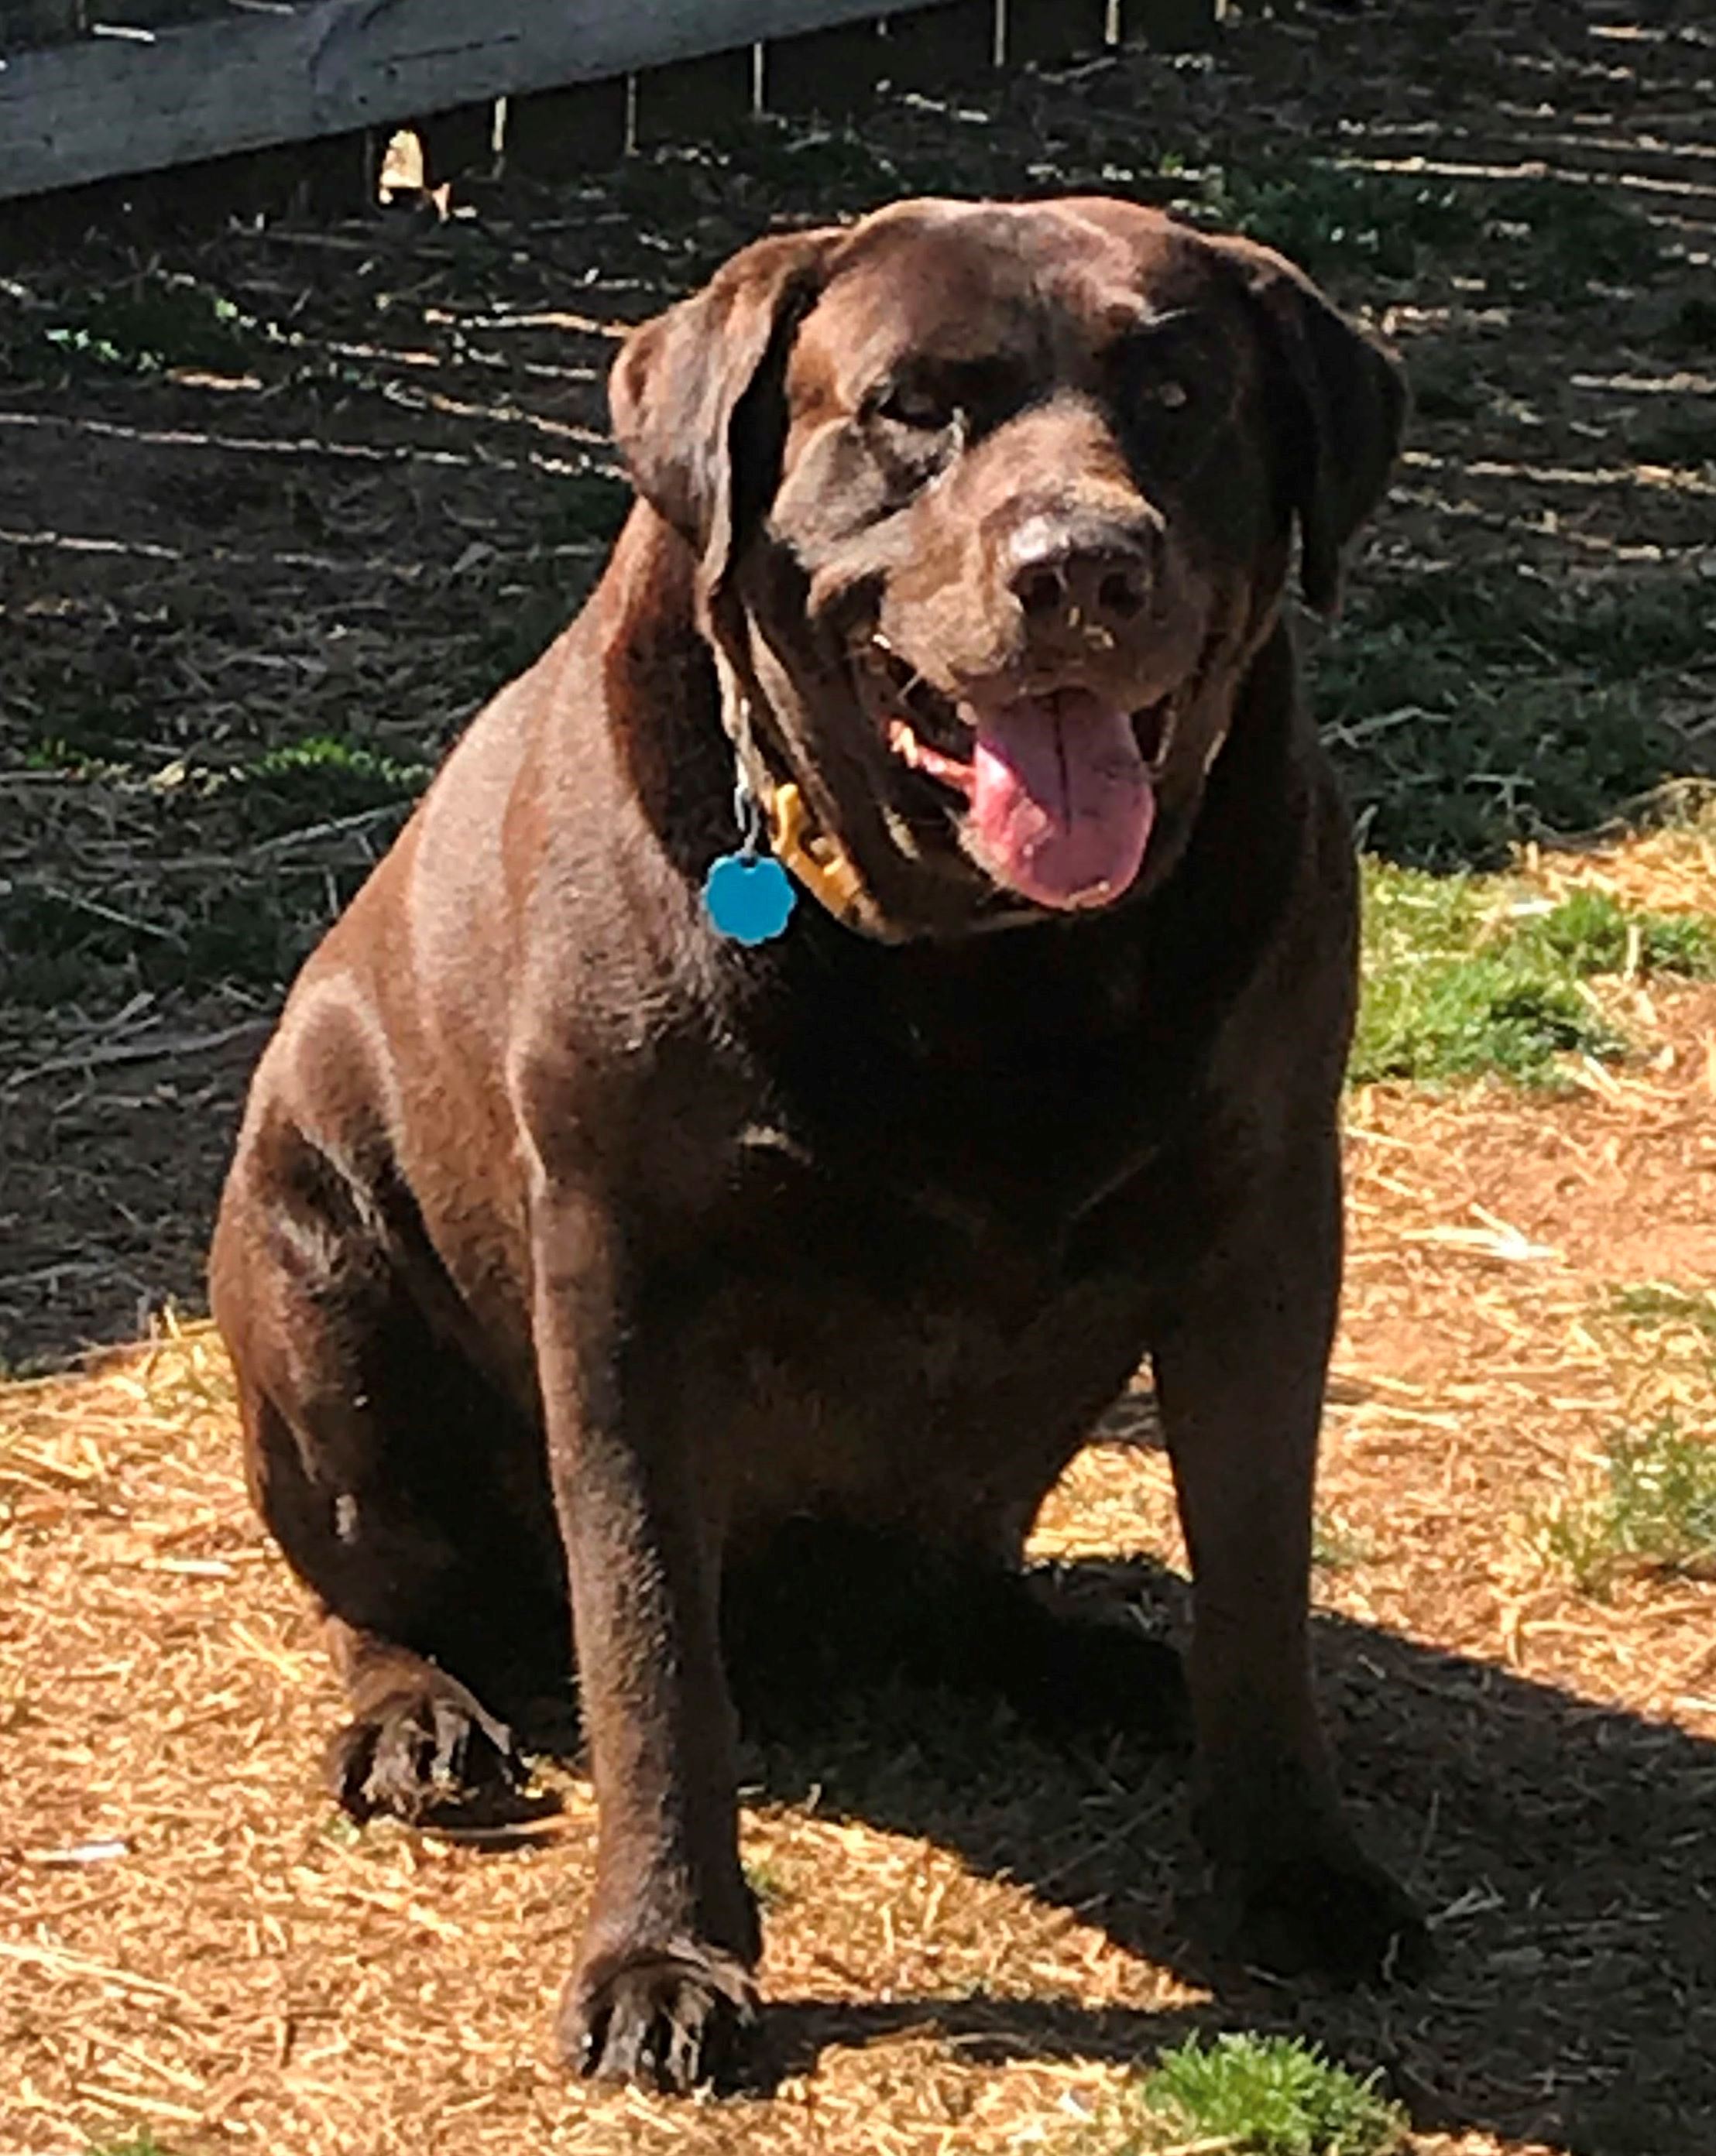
[
  {"x": 1342, "y": 405},
  {"x": 694, "y": 393}
]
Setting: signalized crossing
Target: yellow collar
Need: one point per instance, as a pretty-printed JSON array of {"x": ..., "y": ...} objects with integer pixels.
[
  {"x": 823, "y": 867},
  {"x": 813, "y": 856}
]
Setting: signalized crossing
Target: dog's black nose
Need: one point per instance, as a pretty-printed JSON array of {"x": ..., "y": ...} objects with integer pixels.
[{"x": 1061, "y": 583}]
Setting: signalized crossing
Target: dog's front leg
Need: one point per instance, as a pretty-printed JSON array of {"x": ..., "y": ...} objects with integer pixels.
[
  {"x": 662, "y": 1989},
  {"x": 1240, "y": 1367}
]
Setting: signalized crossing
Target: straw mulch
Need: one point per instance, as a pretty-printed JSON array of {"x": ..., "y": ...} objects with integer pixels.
[
  {"x": 274, "y": 485},
  {"x": 967, "y": 1949}
]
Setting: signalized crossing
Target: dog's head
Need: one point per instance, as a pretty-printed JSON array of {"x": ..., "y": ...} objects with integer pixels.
[{"x": 992, "y": 504}]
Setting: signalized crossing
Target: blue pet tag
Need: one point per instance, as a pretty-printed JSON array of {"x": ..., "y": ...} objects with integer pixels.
[{"x": 748, "y": 897}]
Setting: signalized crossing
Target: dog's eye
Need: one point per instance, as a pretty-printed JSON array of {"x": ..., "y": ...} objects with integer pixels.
[
  {"x": 1168, "y": 395},
  {"x": 911, "y": 404}
]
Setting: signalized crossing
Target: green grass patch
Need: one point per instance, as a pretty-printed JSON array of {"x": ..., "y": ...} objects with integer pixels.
[
  {"x": 1469, "y": 974},
  {"x": 1466, "y": 713},
  {"x": 1607, "y": 631},
  {"x": 1574, "y": 236},
  {"x": 1654, "y": 1511},
  {"x": 250, "y": 927},
  {"x": 1459, "y": 782},
  {"x": 767, "y": 1882},
  {"x": 323, "y": 778},
  {"x": 1542, "y": 240},
  {"x": 1657, "y": 1305},
  {"x": 1328, "y": 217},
  {"x": 1467, "y": 1016},
  {"x": 153, "y": 322},
  {"x": 235, "y": 875},
  {"x": 1459, "y": 981},
  {"x": 1594, "y": 933},
  {"x": 157, "y": 321},
  {"x": 1337, "y": 1545},
  {"x": 1258, "y": 2096}
]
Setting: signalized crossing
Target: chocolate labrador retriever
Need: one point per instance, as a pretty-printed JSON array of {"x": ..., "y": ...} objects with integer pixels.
[{"x": 605, "y": 1228}]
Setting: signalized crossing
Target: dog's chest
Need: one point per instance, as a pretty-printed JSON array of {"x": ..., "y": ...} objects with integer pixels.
[
  {"x": 1000, "y": 1104},
  {"x": 879, "y": 1338},
  {"x": 908, "y": 1394},
  {"x": 941, "y": 1220}
]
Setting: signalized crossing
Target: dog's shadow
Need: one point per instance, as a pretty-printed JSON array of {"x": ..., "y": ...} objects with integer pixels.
[{"x": 1565, "y": 1849}]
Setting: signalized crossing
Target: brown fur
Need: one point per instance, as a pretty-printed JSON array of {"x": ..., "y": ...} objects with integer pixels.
[{"x": 572, "y": 1252}]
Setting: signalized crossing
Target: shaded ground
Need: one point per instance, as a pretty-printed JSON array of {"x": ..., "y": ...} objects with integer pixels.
[{"x": 278, "y": 510}]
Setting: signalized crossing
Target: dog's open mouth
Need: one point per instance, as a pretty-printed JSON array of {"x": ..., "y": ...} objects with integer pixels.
[{"x": 1057, "y": 788}]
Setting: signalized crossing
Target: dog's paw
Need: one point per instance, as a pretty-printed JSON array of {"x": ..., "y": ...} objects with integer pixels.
[
  {"x": 1333, "y": 1914},
  {"x": 428, "y": 1753},
  {"x": 672, "y": 2019}
]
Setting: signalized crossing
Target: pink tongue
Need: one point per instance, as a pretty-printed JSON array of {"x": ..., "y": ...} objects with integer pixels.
[{"x": 1062, "y": 805}]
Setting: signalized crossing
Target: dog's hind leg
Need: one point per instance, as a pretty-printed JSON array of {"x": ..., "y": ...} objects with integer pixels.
[
  {"x": 418, "y": 1653},
  {"x": 420, "y": 1745},
  {"x": 398, "y": 1485}
]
